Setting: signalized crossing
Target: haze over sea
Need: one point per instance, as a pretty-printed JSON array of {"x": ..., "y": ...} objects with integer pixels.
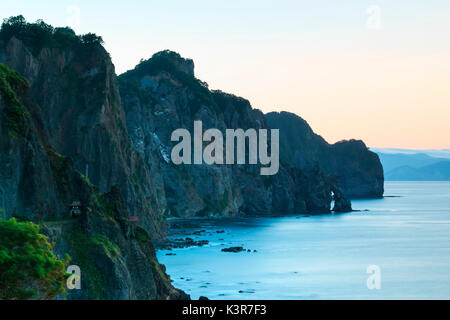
[{"x": 407, "y": 234}]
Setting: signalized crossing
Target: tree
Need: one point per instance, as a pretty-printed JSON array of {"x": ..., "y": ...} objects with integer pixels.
[
  {"x": 40, "y": 35},
  {"x": 91, "y": 39},
  {"x": 65, "y": 37},
  {"x": 13, "y": 26},
  {"x": 28, "y": 268}
]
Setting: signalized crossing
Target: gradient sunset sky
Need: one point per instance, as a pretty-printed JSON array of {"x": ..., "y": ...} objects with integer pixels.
[{"x": 372, "y": 70}]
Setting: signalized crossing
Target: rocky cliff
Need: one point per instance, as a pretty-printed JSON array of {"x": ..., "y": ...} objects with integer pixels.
[
  {"x": 60, "y": 113},
  {"x": 162, "y": 94},
  {"x": 353, "y": 168},
  {"x": 76, "y": 92}
]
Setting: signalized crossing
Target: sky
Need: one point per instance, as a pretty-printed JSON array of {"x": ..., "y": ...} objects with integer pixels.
[{"x": 372, "y": 70}]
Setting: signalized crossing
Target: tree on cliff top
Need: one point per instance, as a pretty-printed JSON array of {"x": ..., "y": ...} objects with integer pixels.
[
  {"x": 28, "y": 268},
  {"x": 39, "y": 34}
]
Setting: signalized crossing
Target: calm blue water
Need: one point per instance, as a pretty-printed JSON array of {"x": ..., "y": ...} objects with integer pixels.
[{"x": 326, "y": 257}]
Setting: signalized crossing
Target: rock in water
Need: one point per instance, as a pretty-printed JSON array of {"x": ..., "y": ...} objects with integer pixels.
[
  {"x": 341, "y": 202},
  {"x": 233, "y": 249}
]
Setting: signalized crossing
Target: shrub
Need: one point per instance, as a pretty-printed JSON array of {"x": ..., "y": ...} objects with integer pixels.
[
  {"x": 28, "y": 268},
  {"x": 11, "y": 84}
]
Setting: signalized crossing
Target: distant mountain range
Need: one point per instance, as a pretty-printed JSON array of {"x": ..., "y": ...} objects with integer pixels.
[{"x": 415, "y": 165}]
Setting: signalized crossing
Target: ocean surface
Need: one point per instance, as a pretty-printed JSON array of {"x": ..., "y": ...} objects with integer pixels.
[{"x": 406, "y": 234}]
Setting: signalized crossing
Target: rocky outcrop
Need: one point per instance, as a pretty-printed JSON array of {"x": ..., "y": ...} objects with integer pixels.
[
  {"x": 351, "y": 166},
  {"x": 356, "y": 169},
  {"x": 159, "y": 96},
  {"x": 341, "y": 202}
]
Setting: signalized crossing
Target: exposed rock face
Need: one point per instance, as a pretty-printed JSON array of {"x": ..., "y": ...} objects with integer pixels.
[
  {"x": 357, "y": 170},
  {"x": 159, "y": 97},
  {"x": 81, "y": 112},
  {"x": 117, "y": 259},
  {"x": 351, "y": 166},
  {"x": 27, "y": 183}
]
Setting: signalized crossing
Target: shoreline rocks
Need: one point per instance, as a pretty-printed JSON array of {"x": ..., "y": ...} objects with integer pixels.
[{"x": 233, "y": 249}]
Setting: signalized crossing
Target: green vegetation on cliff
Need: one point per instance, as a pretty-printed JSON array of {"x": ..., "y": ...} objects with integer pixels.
[
  {"x": 141, "y": 235},
  {"x": 28, "y": 268},
  {"x": 12, "y": 85},
  {"x": 83, "y": 250},
  {"x": 158, "y": 269},
  {"x": 171, "y": 63},
  {"x": 229, "y": 102},
  {"x": 179, "y": 69}
]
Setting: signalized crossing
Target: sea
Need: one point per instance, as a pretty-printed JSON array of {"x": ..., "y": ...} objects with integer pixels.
[{"x": 397, "y": 247}]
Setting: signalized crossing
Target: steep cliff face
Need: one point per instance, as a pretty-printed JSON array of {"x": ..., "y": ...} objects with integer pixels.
[
  {"x": 116, "y": 258},
  {"x": 161, "y": 95},
  {"x": 351, "y": 166},
  {"x": 27, "y": 178},
  {"x": 79, "y": 103},
  {"x": 156, "y": 103}
]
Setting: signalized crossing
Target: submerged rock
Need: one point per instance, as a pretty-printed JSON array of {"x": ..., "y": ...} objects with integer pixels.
[
  {"x": 233, "y": 249},
  {"x": 247, "y": 291}
]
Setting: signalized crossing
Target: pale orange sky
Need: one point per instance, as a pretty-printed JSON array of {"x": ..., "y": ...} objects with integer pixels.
[
  {"x": 387, "y": 83},
  {"x": 388, "y": 99}
]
